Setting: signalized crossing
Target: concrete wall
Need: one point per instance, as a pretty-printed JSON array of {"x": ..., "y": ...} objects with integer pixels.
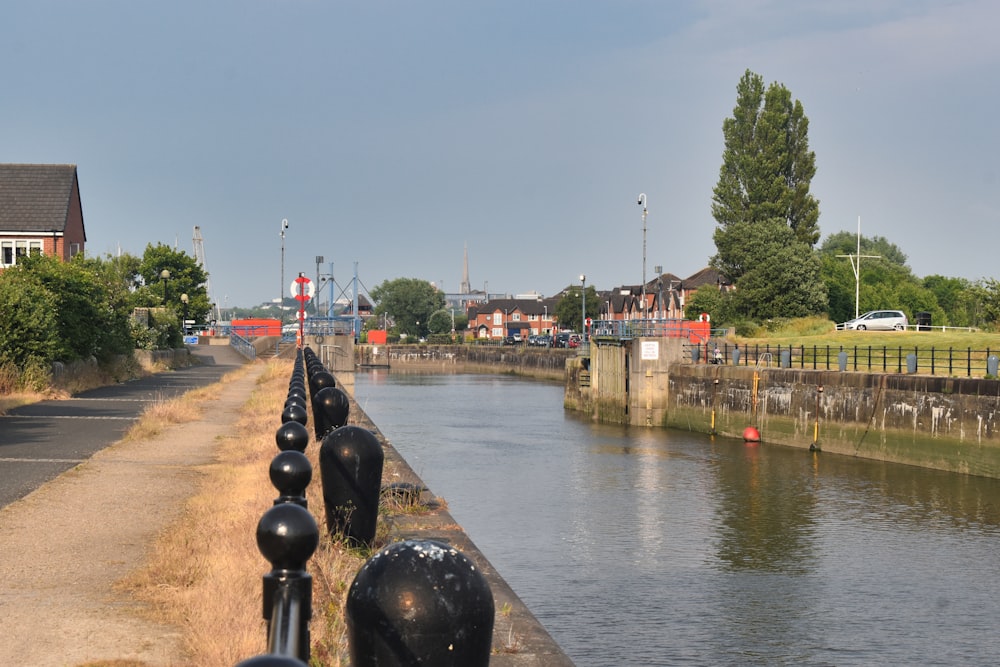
[
  {"x": 534, "y": 362},
  {"x": 945, "y": 423}
]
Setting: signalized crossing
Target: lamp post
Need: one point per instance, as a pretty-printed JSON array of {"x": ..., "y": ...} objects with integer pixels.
[
  {"x": 184, "y": 322},
  {"x": 583, "y": 305},
  {"x": 642, "y": 203},
  {"x": 164, "y": 277},
  {"x": 659, "y": 286},
  {"x": 281, "y": 292}
]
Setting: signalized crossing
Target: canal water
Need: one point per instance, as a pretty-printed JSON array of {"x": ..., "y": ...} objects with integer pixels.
[{"x": 652, "y": 547}]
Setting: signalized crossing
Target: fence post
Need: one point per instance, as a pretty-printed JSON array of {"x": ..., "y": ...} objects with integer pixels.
[
  {"x": 420, "y": 602},
  {"x": 287, "y": 536}
]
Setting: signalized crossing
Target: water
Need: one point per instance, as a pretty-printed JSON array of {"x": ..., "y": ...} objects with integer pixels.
[{"x": 651, "y": 547}]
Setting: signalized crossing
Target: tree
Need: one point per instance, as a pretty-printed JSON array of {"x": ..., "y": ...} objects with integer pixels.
[
  {"x": 569, "y": 310},
  {"x": 29, "y": 329},
  {"x": 439, "y": 322},
  {"x": 766, "y": 215},
  {"x": 185, "y": 277},
  {"x": 409, "y": 302}
]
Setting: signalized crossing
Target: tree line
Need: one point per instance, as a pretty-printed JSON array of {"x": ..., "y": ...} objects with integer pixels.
[
  {"x": 95, "y": 308},
  {"x": 768, "y": 229}
]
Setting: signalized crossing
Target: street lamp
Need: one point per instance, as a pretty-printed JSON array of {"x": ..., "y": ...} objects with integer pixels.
[
  {"x": 164, "y": 277},
  {"x": 659, "y": 286},
  {"x": 583, "y": 305},
  {"x": 184, "y": 322},
  {"x": 281, "y": 292},
  {"x": 642, "y": 203}
]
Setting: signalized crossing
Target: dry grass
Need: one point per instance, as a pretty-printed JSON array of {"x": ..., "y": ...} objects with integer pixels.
[{"x": 205, "y": 575}]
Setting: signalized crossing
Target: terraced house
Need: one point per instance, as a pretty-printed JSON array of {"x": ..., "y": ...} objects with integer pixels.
[{"x": 40, "y": 212}]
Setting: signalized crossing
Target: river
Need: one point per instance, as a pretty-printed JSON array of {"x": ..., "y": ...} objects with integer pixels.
[{"x": 653, "y": 547}]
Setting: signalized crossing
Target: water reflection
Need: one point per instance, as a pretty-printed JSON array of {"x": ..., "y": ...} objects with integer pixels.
[
  {"x": 649, "y": 547},
  {"x": 765, "y": 512}
]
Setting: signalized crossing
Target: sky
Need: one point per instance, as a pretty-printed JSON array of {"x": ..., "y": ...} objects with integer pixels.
[{"x": 396, "y": 135}]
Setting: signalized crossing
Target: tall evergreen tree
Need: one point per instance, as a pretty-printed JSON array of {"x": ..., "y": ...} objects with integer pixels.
[{"x": 768, "y": 221}]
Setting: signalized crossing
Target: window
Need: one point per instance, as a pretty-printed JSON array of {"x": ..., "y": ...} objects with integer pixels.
[
  {"x": 11, "y": 250},
  {"x": 496, "y": 333},
  {"x": 516, "y": 317},
  {"x": 497, "y": 318}
]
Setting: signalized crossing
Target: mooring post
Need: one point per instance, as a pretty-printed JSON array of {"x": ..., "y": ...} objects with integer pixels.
[
  {"x": 331, "y": 407},
  {"x": 350, "y": 464},
  {"x": 420, "y": 602}
]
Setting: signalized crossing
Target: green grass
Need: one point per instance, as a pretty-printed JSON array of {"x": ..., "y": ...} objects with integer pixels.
[{"x": 810, "y": 337}]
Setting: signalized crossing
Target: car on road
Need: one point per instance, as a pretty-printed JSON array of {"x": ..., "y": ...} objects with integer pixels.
[
  {"x": 878, "y": 320},
  {"x": 542, "y": 340}
]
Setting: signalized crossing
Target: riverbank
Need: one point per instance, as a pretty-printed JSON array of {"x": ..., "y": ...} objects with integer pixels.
[{"x": 541, "y": 363}]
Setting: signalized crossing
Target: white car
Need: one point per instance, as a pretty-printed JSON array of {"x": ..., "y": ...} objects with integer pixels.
[{"x": 878, "y": 320}]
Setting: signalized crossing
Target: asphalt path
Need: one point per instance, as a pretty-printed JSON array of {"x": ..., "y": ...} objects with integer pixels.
[{"x": 38, "y": 442}]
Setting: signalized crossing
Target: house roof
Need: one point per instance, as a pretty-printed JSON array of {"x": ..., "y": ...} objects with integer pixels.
[
  {"x": 526, "y": 306},
  {"x": 36, "y": 198},
  {"x": 707, "y": 276}
]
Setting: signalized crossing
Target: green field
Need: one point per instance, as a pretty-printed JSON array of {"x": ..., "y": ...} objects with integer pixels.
[{"x": 812, "y": 341}]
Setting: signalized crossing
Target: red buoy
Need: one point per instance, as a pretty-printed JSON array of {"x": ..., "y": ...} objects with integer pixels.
[{"x": 750, "y": 434}]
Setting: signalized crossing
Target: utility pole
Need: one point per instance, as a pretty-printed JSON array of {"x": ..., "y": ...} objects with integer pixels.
[{"x": 856, "y": 265}]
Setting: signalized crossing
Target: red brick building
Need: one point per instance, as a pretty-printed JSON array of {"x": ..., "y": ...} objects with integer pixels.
[{"x": 40, "y": 212}]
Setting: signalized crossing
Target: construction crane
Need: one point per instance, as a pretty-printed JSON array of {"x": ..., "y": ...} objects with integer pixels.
[{"x": 199, "y": 256}]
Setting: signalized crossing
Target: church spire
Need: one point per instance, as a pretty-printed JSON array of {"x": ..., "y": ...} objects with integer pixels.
[{"x": 466, "y": 287}]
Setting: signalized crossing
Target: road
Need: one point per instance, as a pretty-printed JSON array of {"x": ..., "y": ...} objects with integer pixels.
[{"x": 40, "y": 441}]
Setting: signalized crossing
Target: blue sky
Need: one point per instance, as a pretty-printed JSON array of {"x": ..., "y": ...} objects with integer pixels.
[{"x": 394, "y": 134}]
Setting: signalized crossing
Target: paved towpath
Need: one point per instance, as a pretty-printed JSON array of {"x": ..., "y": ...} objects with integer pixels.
[
  {"x": 40, "y": 441},
  {"x": 67, "y": 543}
]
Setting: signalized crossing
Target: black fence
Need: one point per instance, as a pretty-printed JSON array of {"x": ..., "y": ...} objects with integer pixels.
[
  {"x": 416, "y": 602},
  {"x": 957, "y": 362}
]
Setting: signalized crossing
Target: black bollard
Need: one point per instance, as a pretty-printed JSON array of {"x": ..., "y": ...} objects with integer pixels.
[
  {"x": 290, "y": 474},
  {"x": 295, "y": 412},
  {"x": 419, "y": 602},
  {"x": 320, "y": 379},
  {"x": 271, "y": 661},
  {"x": 287, "y": 536},
  {"x": 331, "y": 406},
  {"x": 292, "y": 435},
  {"x": 350, "y": 464}
]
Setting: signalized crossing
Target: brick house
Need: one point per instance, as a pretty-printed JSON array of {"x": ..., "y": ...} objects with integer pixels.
[
  {"x": 498, "y": 318},
  {"x": 40, "y": 212},
  {"x": 666, "y": 296}
]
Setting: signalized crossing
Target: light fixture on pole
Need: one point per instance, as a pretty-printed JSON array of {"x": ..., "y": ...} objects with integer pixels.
[
  {"x": 659, "y": 286},
  {"x": 281, "y": 292},
  {"x": 642, "y": 203},
  {"x": 583, "y": 305},
  {"x": 184, "y": 322},
  {"x": 164, "y": 277}
]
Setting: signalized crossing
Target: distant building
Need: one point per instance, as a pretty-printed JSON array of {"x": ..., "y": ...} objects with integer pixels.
[
  {"x": 40, "y": 212},
  {"x": 499, "y": 318},
  {"x": 666, "y": 296}
]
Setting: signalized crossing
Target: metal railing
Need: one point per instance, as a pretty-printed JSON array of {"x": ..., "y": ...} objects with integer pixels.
[
  {"x": 243, "y": 346},
  {"x": 957, "y": 362}
]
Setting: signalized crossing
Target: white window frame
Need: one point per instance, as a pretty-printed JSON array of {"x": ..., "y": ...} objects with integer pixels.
[{"x": 19, "y": 248}]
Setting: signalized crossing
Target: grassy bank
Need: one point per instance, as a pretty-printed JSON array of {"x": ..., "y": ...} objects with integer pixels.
[
  {"x": 812, "y": 337},
  {"x": 204, "y": 573}
]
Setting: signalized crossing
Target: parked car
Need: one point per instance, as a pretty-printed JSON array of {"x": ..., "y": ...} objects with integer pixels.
[
  {"x": 561, "y": 339},
  {"x": 543, "y": 340},
  {"x": 575, "y": 340},
  {"x": 878, "y": 320}
]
